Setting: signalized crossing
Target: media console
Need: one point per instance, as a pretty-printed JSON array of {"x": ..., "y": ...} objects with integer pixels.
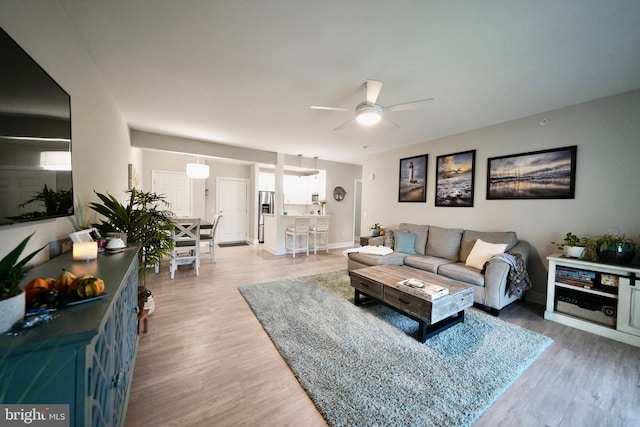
[
  {"x": 603, "y": 299},
  {"x": 84, "y": 357}
]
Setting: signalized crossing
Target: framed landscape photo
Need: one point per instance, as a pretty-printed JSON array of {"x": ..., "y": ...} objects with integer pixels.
[
  {"x": 455, "y": 179},
  {"x": 412, "y": 185},
  {"x": 546, "y": 174}
]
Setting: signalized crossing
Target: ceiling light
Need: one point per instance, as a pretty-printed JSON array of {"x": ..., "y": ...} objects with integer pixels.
[
  {"x": 367, "y": 114},
  {"x": 197, "y": 171},
  {"x": 55, "y": 160}
]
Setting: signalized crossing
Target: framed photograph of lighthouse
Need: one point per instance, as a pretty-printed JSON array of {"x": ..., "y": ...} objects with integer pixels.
[{"x": 413, "y": 179}]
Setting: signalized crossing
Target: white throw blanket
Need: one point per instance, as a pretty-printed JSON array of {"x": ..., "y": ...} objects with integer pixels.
[{"x": 371, "y": 250}]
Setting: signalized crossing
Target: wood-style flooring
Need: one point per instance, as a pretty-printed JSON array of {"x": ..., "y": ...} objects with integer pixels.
[{"x": 206, "y": 360}]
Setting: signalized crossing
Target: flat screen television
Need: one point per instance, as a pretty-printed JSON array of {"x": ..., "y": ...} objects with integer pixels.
[{"x": 35, "y": 140}]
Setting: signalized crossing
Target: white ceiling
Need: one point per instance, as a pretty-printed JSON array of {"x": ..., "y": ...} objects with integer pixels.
[{"x": 246, "y": 72}]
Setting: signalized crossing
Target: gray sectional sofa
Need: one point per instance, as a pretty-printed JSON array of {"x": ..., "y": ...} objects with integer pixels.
[{"x": 445, "y": 251}]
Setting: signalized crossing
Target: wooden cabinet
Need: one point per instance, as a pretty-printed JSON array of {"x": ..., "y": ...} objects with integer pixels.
[
  {"x": 85, "y": 356},
  {"x": 603, "y": 299}
]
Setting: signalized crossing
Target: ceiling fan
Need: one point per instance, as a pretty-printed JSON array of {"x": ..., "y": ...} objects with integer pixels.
[{"x": 369, "y": 113}]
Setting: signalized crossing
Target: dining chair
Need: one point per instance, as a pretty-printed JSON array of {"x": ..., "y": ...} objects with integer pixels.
[
  {"x": 299, "y": 229},
  {"x": 186, "y": 240},
  {"x": 208, "y": 236},
  {"x": 321, "y": 229}
]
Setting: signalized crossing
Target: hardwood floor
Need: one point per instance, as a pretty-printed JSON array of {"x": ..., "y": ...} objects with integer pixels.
[{"x": 207, "y": 361}]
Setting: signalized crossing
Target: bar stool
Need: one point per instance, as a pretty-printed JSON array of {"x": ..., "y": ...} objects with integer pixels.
[
  {"x": 320, "y": 229},
  {"x": 300, "y": 229}
]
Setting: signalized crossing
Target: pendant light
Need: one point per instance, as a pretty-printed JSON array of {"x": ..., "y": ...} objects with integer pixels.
[
  {"x": 299, "y": 158},
  {"x": 197, "y": 171}
]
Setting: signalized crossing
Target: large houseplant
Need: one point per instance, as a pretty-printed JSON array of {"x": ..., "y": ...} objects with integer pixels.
[
  {"x": 12, "y": 271},
  {"x": 143, "y": 219}
]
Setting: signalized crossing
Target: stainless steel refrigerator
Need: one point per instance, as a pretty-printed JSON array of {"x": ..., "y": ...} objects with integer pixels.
[{"x": 265, "y": 206}]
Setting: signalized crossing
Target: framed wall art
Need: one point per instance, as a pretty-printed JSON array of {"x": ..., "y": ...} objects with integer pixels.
[
  {"x": 413, "y": 179},
  {"x": 455, "y": 179},
  {"x": 546, "y": 174}
]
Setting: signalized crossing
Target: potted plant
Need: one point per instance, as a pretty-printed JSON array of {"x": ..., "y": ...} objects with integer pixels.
[
  {"x": 12, "y": 299},
  {"x": 375, "y": 230},
  {"x": 614, "y": 248},
  {"x": 144, "y": 222},
  {"x": 572, "y": 245}
]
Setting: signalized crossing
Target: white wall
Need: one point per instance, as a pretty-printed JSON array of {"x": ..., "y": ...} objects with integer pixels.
[
  {"x": 607, "y": 133},
  {"x": 101, "y": 151}
]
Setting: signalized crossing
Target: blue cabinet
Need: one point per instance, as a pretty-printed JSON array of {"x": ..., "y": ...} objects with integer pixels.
[{"x": 85, "y": 356}]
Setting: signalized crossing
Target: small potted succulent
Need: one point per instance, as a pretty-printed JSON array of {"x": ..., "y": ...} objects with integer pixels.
[
  {"x": 572, "y": 245},
  {"x": 12, "y": 298},
  {"x": 375, "y": 230}
]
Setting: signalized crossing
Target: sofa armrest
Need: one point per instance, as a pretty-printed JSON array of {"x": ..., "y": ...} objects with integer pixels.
[
  {"x": 376, "y": 241},
  {"x": 496, "y": 275},
  {"x": 523, "y": 249}
]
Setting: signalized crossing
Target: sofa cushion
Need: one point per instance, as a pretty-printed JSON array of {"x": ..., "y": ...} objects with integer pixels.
[
  {"x": 389, "y": 239},
  {"x": 405, "y": 242},
  {"x": 469, "y": 239},
  {"x": 482, "y": 252},
  {"x": 421, "y": 232},
  {"x": 444, "y": 242},
  {"x": 459, "y": 271},
  {"x": 393, "y": 258},
  {"x": 425, "y": 262}
]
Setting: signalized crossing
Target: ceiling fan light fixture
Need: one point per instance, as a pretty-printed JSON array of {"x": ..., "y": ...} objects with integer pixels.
[{"x": 368, "y": 115}]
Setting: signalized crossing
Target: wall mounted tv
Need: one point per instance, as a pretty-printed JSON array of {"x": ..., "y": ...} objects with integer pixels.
[{"x": 35, "y": 140}]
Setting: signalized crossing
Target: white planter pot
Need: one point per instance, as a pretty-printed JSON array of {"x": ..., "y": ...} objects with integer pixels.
[
  {"x": 574, "y": 251},
  {"x": 11, "y": 311}
]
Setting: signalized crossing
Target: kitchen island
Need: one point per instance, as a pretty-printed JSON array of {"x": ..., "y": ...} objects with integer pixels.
[{"x": 275, "y": 226}]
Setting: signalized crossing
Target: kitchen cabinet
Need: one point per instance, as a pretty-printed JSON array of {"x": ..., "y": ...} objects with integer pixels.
[
  {"x": 85, "y": 356},
  {"x": 603, "y": 299},
  {"x": 296, "y": 190}
]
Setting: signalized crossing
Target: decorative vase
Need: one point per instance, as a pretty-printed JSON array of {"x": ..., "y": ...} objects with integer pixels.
[
  {"x": 617, "y": 253},
  {"x": 11, "y": 311},
  {"x": 574, "y": 251},
  {"x": 375, "y": 232}
]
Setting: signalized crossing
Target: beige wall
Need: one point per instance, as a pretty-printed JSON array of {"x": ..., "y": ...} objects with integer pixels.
[
  {"x": 607, "y": 134},
  {"x": 100, "y": 136},
  {"x": 338, "y": 174}
]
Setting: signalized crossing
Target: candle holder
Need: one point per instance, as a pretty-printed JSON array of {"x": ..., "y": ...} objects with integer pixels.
[{"x": 85, "y": 251}]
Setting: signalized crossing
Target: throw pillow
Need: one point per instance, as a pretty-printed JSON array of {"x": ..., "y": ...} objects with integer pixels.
[
  {"x": 405, "y": 242},
  {"x": 482, "y": 252}
]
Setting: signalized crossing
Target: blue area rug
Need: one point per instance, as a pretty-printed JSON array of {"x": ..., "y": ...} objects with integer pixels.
[{"x": 361, "y": 367}]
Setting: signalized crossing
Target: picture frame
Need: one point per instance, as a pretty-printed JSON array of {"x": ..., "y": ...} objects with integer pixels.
[
  {"x": 544, "y": 174},
  {"x": 455, "y": 179},
  {"x": 412, "y": 182}
]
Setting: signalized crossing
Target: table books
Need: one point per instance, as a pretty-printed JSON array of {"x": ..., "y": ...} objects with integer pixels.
[{"x": 432, "y": 291}]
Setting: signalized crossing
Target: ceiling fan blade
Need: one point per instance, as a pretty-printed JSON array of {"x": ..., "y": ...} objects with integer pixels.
[
  {"x": 373, "y": 88},
  {"x": 407, "y": 105},
  {"x": 319, "y": 107},
  {"x": 389, "y": 122},
  {"x": 345, "y": 124}
]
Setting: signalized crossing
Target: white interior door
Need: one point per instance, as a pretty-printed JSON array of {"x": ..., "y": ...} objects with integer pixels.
[
  {"x": 232, "y": 203},
  {"x": 176, "y": 187}
]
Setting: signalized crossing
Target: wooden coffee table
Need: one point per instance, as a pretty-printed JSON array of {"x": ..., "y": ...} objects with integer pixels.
[{"x": 380, "y": 283}]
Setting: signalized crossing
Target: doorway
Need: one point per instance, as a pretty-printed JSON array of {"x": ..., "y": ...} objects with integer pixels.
[
  {"x": 232, "y": 202},
  {"x": 176, "y": 188},
  {"x": 357, "y": 209}
]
